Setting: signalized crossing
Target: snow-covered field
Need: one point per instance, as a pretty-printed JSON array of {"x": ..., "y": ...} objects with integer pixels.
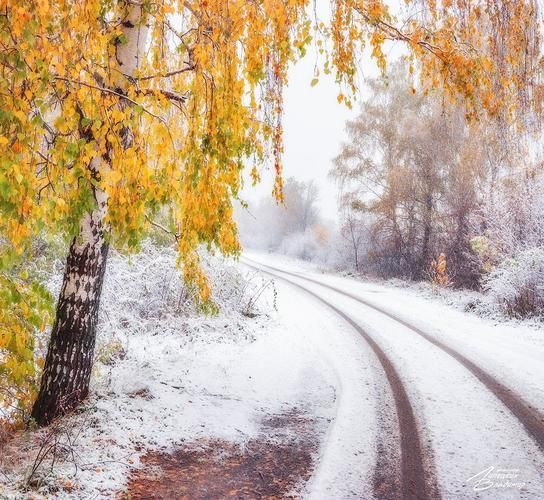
[{"x": 168, "y": 376}]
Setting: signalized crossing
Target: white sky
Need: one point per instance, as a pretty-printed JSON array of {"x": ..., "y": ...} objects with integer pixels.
[
  {"x": 314, "y": 125},
  {"x": 313, "y": 131}
]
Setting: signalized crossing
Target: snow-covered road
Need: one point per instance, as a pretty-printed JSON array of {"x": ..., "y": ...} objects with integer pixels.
[
  {"x": 347, "y": 389},
  {"x": 473, "y": 386}
]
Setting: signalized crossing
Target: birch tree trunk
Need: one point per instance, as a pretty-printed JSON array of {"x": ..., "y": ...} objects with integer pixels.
[{"x": 67, "y": 371}]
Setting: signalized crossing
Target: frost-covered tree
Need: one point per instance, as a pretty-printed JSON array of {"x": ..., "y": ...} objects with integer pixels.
[
  {"x": 355, "y": 231},
  {"x": 394, "y": 165},
  {"x": 418, "y": 174},
  {"x": 511, "y": 241},
  {"x": 269, "y": 224}
]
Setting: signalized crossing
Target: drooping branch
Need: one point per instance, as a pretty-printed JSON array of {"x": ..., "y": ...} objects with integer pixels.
[
  {"x": 393, "y": 33},
  {"x": 169, "y": 74}
]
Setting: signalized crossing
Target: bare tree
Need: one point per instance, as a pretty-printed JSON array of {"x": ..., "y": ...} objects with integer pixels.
[{"x": 354, "y": 229}]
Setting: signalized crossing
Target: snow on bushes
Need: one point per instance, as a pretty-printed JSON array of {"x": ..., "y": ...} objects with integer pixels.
[
  {"x": 145, "y": 292},
  {"x": 144, "y": 296},
  {"x": 516, "y": 285},
  {"x": 305, "y": 245},
  {"x": 511, "y": 249},
  {"x": 160, "y": 376}
]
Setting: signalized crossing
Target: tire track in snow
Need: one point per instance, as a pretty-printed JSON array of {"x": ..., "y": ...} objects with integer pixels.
[
  {"x": 529, "y": 416},
  {"x": 413, "y": 478}
]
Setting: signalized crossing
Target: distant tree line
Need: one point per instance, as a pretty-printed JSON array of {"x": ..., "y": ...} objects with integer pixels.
[
  {"x": 294, "y": 227},
  {"x": 418, "y": 181}
]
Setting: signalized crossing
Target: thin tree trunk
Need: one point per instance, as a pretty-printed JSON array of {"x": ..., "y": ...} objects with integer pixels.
[
  {"x": 67, "y": 371},
  {"x": 427, "y": 230},
  {"x": 355, "y": 246}
]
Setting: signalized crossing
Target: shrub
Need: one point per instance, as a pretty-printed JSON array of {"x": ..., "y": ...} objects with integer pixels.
[
  {"x": 516, "y": 285},
  {"x": 438, "y": 272}
]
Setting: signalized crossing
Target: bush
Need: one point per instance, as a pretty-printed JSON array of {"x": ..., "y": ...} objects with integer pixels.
[{"x": 516, "y": 285}]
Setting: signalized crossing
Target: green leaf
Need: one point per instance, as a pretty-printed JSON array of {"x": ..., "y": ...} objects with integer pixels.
[{"x": 72, "y": 150}]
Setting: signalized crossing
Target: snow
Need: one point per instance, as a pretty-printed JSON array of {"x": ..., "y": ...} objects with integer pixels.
[
  {"x": 467, "y": 427},
  {"x": 167, "y": 375},
  {"x": 512, "y": 351},
  {"x": 347, "y": 456}
]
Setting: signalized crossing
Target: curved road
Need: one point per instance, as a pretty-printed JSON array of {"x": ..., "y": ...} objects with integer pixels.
[{"x": 413, "y": 475}]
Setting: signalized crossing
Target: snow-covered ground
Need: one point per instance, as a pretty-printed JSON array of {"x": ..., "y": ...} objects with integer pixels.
[
  {"x": 467, "y": 427},
  {"x": 512, "y": 350},
  {"x": 167, "y": 376}
]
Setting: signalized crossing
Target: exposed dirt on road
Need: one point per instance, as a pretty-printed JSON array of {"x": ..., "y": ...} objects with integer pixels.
[{"x": 277, "y": 464}]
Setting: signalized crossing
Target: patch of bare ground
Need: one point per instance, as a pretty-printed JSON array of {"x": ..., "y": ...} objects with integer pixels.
[{"x": 276, "y": 464}]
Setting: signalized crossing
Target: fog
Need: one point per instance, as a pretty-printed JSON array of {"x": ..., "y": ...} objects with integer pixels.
[{"x": 314, "y": 127}]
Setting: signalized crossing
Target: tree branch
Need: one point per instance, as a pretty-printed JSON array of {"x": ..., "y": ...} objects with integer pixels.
[
  {"x": 109, "y": 91},
  {"x": 169, "y": 94},
  {"x": 162, "y": 228},
  {"x": 190, "y": 67}
]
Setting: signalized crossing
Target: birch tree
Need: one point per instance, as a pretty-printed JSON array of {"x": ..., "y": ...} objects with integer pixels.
[{"x": 67, "y": 372}]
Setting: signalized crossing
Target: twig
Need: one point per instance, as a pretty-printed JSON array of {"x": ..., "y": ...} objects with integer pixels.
[
  {"x": 178, "y": 387},
  {"x": 169, "y": 94},
  {"x": 6, "y": 476},
  {"x": 162, "y": 228},
  {"x": 163, "y": 75}
]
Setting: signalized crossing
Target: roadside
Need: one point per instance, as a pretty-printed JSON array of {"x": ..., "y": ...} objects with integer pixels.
[{"x": 175, "y": 394}]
